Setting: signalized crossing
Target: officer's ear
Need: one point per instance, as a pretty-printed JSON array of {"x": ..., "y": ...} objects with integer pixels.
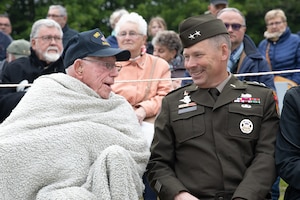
[{"x": 225, "y": 51}]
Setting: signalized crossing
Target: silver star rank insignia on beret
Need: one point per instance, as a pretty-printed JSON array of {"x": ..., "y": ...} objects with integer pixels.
[{"x": 194, "y": 35}]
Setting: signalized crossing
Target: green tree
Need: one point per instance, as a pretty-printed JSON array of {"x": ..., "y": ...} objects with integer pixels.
[{"x": 89, "y": 14}]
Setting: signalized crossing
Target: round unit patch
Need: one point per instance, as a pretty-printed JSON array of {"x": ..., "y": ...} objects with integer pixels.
[{"x": 246, "y": 126}]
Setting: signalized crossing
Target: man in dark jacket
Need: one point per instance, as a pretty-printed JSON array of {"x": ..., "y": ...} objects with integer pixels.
[
  {"x": 244, "y": 58},
  {"x": 215, "y": 6},
  {"x": 5, "y": 40},
  {"x": 59, "y": 14},
  {"x": 46, "y": 48},
  {"x": 214, "y": 139},
  {"x": 288, "y": 144}
]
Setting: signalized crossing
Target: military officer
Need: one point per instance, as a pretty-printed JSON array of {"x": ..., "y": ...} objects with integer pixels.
[{"x": 214, "y": 139}]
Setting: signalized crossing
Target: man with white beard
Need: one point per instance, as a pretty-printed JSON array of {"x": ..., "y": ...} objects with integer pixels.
[{"x": 46, "y": 48}]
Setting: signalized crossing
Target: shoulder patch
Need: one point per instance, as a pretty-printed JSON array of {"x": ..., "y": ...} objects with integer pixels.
[
  {"x": 180, "y": 88},
  {"x": 255, "y": 83}
]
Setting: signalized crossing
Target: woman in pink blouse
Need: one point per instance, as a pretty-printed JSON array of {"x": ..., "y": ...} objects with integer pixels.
[{"x": 145, "y": 96}]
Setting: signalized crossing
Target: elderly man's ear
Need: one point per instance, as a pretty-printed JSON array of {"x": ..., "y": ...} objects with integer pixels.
[{"x": 78, "y": 67}]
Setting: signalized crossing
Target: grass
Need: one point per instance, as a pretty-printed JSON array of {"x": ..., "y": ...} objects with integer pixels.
[{"x": 282, "y": 186}]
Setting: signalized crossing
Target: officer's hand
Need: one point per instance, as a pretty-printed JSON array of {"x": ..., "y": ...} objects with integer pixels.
[{"x": 185, "y": 196}]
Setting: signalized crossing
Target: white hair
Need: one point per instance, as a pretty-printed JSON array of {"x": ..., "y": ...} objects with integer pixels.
[
  {"x": 42, "y": 23},
  {"x": 135, "y": 18}
]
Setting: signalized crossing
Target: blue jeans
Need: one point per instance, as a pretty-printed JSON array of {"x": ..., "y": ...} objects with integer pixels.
[
  {"x": 275, "y": 189},
  {"x": 149, "y": 194}
]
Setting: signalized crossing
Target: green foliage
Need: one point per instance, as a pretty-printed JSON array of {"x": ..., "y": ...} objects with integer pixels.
[{"x": 89, "y": 14}]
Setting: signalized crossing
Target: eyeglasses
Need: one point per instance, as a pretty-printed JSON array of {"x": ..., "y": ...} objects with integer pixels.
[
  {"x": 6, "y": 25},
  {"x": 49, "y": 38},
  {"x": 109, "y": 66},
  {"x": 274, "y": 23},
  {"x": 235, "y": 27},
  {"x": 130, "y": 33},
  {"x": 54, "y": 16}
]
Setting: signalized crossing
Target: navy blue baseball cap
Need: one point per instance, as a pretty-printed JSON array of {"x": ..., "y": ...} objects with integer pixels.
[{"x": 91, "y": 43}]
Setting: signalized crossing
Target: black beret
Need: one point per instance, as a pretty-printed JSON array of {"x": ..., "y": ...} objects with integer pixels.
[{"x": 195, "y": 29}]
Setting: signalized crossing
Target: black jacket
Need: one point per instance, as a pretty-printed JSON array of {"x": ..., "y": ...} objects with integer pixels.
[
  {"x": 25, "y": 68},
  {"x": 68, "y": 34},
  {"x": 287, "y": 152}
]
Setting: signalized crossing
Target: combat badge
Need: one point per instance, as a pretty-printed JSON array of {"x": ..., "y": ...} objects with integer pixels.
[{"x": 188, "y": 104}]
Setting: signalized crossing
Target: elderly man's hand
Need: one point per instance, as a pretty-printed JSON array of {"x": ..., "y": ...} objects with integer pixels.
[
  {"x": 140, "y": 113},
  {"x": 23, "y": 86}
]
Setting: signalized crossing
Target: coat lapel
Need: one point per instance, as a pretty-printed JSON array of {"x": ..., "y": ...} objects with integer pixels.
[
  {"x": 201, "y": 97},
  {"x": 232, "y": 90}
]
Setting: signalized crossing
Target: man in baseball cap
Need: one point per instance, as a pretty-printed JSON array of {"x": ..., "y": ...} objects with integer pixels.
[
  {"x": 75, "y": 115},
  {"x": 91, "y": 43},
  {"x": 88, "y": 50},
  {"x": 216, "y": 5}
]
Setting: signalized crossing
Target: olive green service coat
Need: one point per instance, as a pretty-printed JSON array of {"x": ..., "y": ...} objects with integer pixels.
[{"x": 215, "y": 150}]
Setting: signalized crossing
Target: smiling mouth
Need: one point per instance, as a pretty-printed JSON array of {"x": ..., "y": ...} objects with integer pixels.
[{"x": 196, "y": 73}]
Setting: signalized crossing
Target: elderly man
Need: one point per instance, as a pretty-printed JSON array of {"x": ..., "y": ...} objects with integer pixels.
[
  {"x": 215, "y": 6},
  {"x": 46, "y": 48},
  {"x": 16, "y": 49},
  {"x": 213, "y": 138},
  {"x": 72, "y": 137},
  {"x": 5, "y": 25},
  {"x": 244, "y": 57},
  {"x": 59, "y": 14}
]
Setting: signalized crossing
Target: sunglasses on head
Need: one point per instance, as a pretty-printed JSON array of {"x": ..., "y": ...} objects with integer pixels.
[{"x": 235, "y": 27}]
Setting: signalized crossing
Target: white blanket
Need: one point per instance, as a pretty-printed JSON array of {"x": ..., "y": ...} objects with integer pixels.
[{"x": 63, "y": 141}]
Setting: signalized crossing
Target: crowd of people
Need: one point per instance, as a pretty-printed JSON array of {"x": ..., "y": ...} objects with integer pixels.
[{"x": 86, "y": 97}]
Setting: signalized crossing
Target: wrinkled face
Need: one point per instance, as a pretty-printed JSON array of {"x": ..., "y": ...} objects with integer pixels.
[
  {"x": 206, "y": 64},
  {"x": 276, "y": 25},
  {"x": 156, "y": 27},
  {"x": 130, "y": 38},
  {"x": 47, "y": 44},
  {"x": 163, "y": 52},
  {"x": 236, "y": 27},
  {"x": 5, "y": 25},
  {"x": 99, "y": 74},
  {"x": 56, "y": 16}
]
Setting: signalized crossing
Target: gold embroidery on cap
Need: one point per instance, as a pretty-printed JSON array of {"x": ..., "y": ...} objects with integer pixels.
[{"x": 96, "y": 35}]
